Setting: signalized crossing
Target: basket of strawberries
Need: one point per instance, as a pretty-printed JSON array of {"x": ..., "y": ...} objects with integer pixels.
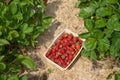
[{"x": 64, "y": 49}]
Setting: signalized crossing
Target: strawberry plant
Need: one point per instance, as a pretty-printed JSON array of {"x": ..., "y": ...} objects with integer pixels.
[
  {"x": 64, "y": 49},
  {"x": 21, "y": 22},
  {"x": 102, "y": 20},
  {"x": 116, "y": 75}
]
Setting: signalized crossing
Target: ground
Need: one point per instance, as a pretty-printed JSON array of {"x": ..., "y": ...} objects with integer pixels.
[{"x": 65, "y": 15}]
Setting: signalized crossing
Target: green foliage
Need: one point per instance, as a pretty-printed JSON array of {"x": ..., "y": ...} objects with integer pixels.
[
  {"x": 21, "y": 22},
  {"x": 116, "y": 75},
  {"x": 102, "y": 20}
]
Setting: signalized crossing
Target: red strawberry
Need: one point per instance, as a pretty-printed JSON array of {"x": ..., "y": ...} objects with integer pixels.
[
  {"x": 68, "y": 52},
  {"x": 74, "y": 55},
  {"x": 22, "y": 71},
  {"x": 75, "y": 39},
  {"x": 65, "y": 35},
  {"x": 61, "y": 38},
  {"x": 64, "y": 65},
  {"x": 69, "y": 60},
  {"x": 48, "y": 53},
  {"x": 80, "y": 41},
  {"x": 60, "y": 46},
  {"x": 70, "y": 36},
  {"x": 56, "y": 61},
  {"x": 56, "y": 48},
  {"x": 53, "y": 50},
  {"x": 45, "y": 1},
  {"x": 65, "y": 55},
  {"x": 62, "y": 61},
  {"x": 65, "y": 40},
  {"x": 78, "y": 46},
  {"x": 73, "y": 46},
  {"x": 56, "y": 56},
  {"x": 62, "y": 51},
  {"x": 70, "y": 57},
  {"x": 61, "y": 42}
]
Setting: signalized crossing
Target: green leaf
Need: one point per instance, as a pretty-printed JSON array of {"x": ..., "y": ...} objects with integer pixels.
[
  {"x": 2, "y": 66},
  {"x": 0, "y": 33},
  {"x": 29, "y": 63},
  {"x": 3, "y": 42},
  {"x": 46, "y": 22},
  {"x": 25, "y": 29},
  {"x": 117, "y": 76},
  {"x": 26, "y": 61},
  {"x": 1, "y": 57},
  {"x": 94, "y": 4},
  {"x": 115, "y": 49},
  {"x": 100, "y": 23},
  {"x": 19, "y": 16},
  {"x": 97, "y": 34},
  {"x": 13, "y": 77},
  {"x": 93, "y": 55},
  {"x": 85, "y": 53},
  {"x": 108, "y": 33},
  {"x": 77, "y": 4},
  {"x": 110, "y": 1},
  {"x": 86, "y": 12},
  {"x": 89, "y": 53},
  {"x": 90, "y": 44},
  {"x": 89, "y": 24},
  {"x": 13, "y": 7},
  {"x": 103, "y": 44},
  {"x": 3, "y": 11},
  {"x": 3, "y": 77},
  {"x": 24, "y": 77},
  {"x": 85, "y": 35},
  {"x": 28, "y": 30},
  {"x": 109, "y": 77},
  {"x": 104, "y": 11},
  {"x": 113, "y": 22},
  {"x": 13, "y": 34},
  {"x": 50, "y": 70}
]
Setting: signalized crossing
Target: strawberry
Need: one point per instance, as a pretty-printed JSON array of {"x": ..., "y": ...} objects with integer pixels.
[
  {"x": 70, "y": 36},
  {"x": 65, "y": 40},
  {"x": 45, "y": 1},
  {"x": 65, "y": 35},
  {"x": 65, "y": 55},
  {"x": 22, "y": 71},
  {"x": 74, "y": 55},
  {"x": 73, "y": 46},
  {"x": 56, "y": 56},
  {"x": 80, "y": 41},
  {"x": 61, "y": 38},
  {"x": 68, "y": 52},
  {"x": 69, "y": 60},
  {"x": 70, "y": 57},
  {"x": 78, "y": 46},
  {"x": 48, "y": 53},
  {"x": 64, "y": 65},
  {"x": 75, "y": 39},
  {"x": 56, "y": 61}
]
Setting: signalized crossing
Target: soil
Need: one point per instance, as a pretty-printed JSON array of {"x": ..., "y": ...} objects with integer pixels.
[{"x": 65, "y": 15}]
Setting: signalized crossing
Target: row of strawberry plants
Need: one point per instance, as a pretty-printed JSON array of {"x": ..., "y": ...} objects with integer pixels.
[
  {"x": 21, "y": 22},
  {"x": 102, "y": 20}
]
